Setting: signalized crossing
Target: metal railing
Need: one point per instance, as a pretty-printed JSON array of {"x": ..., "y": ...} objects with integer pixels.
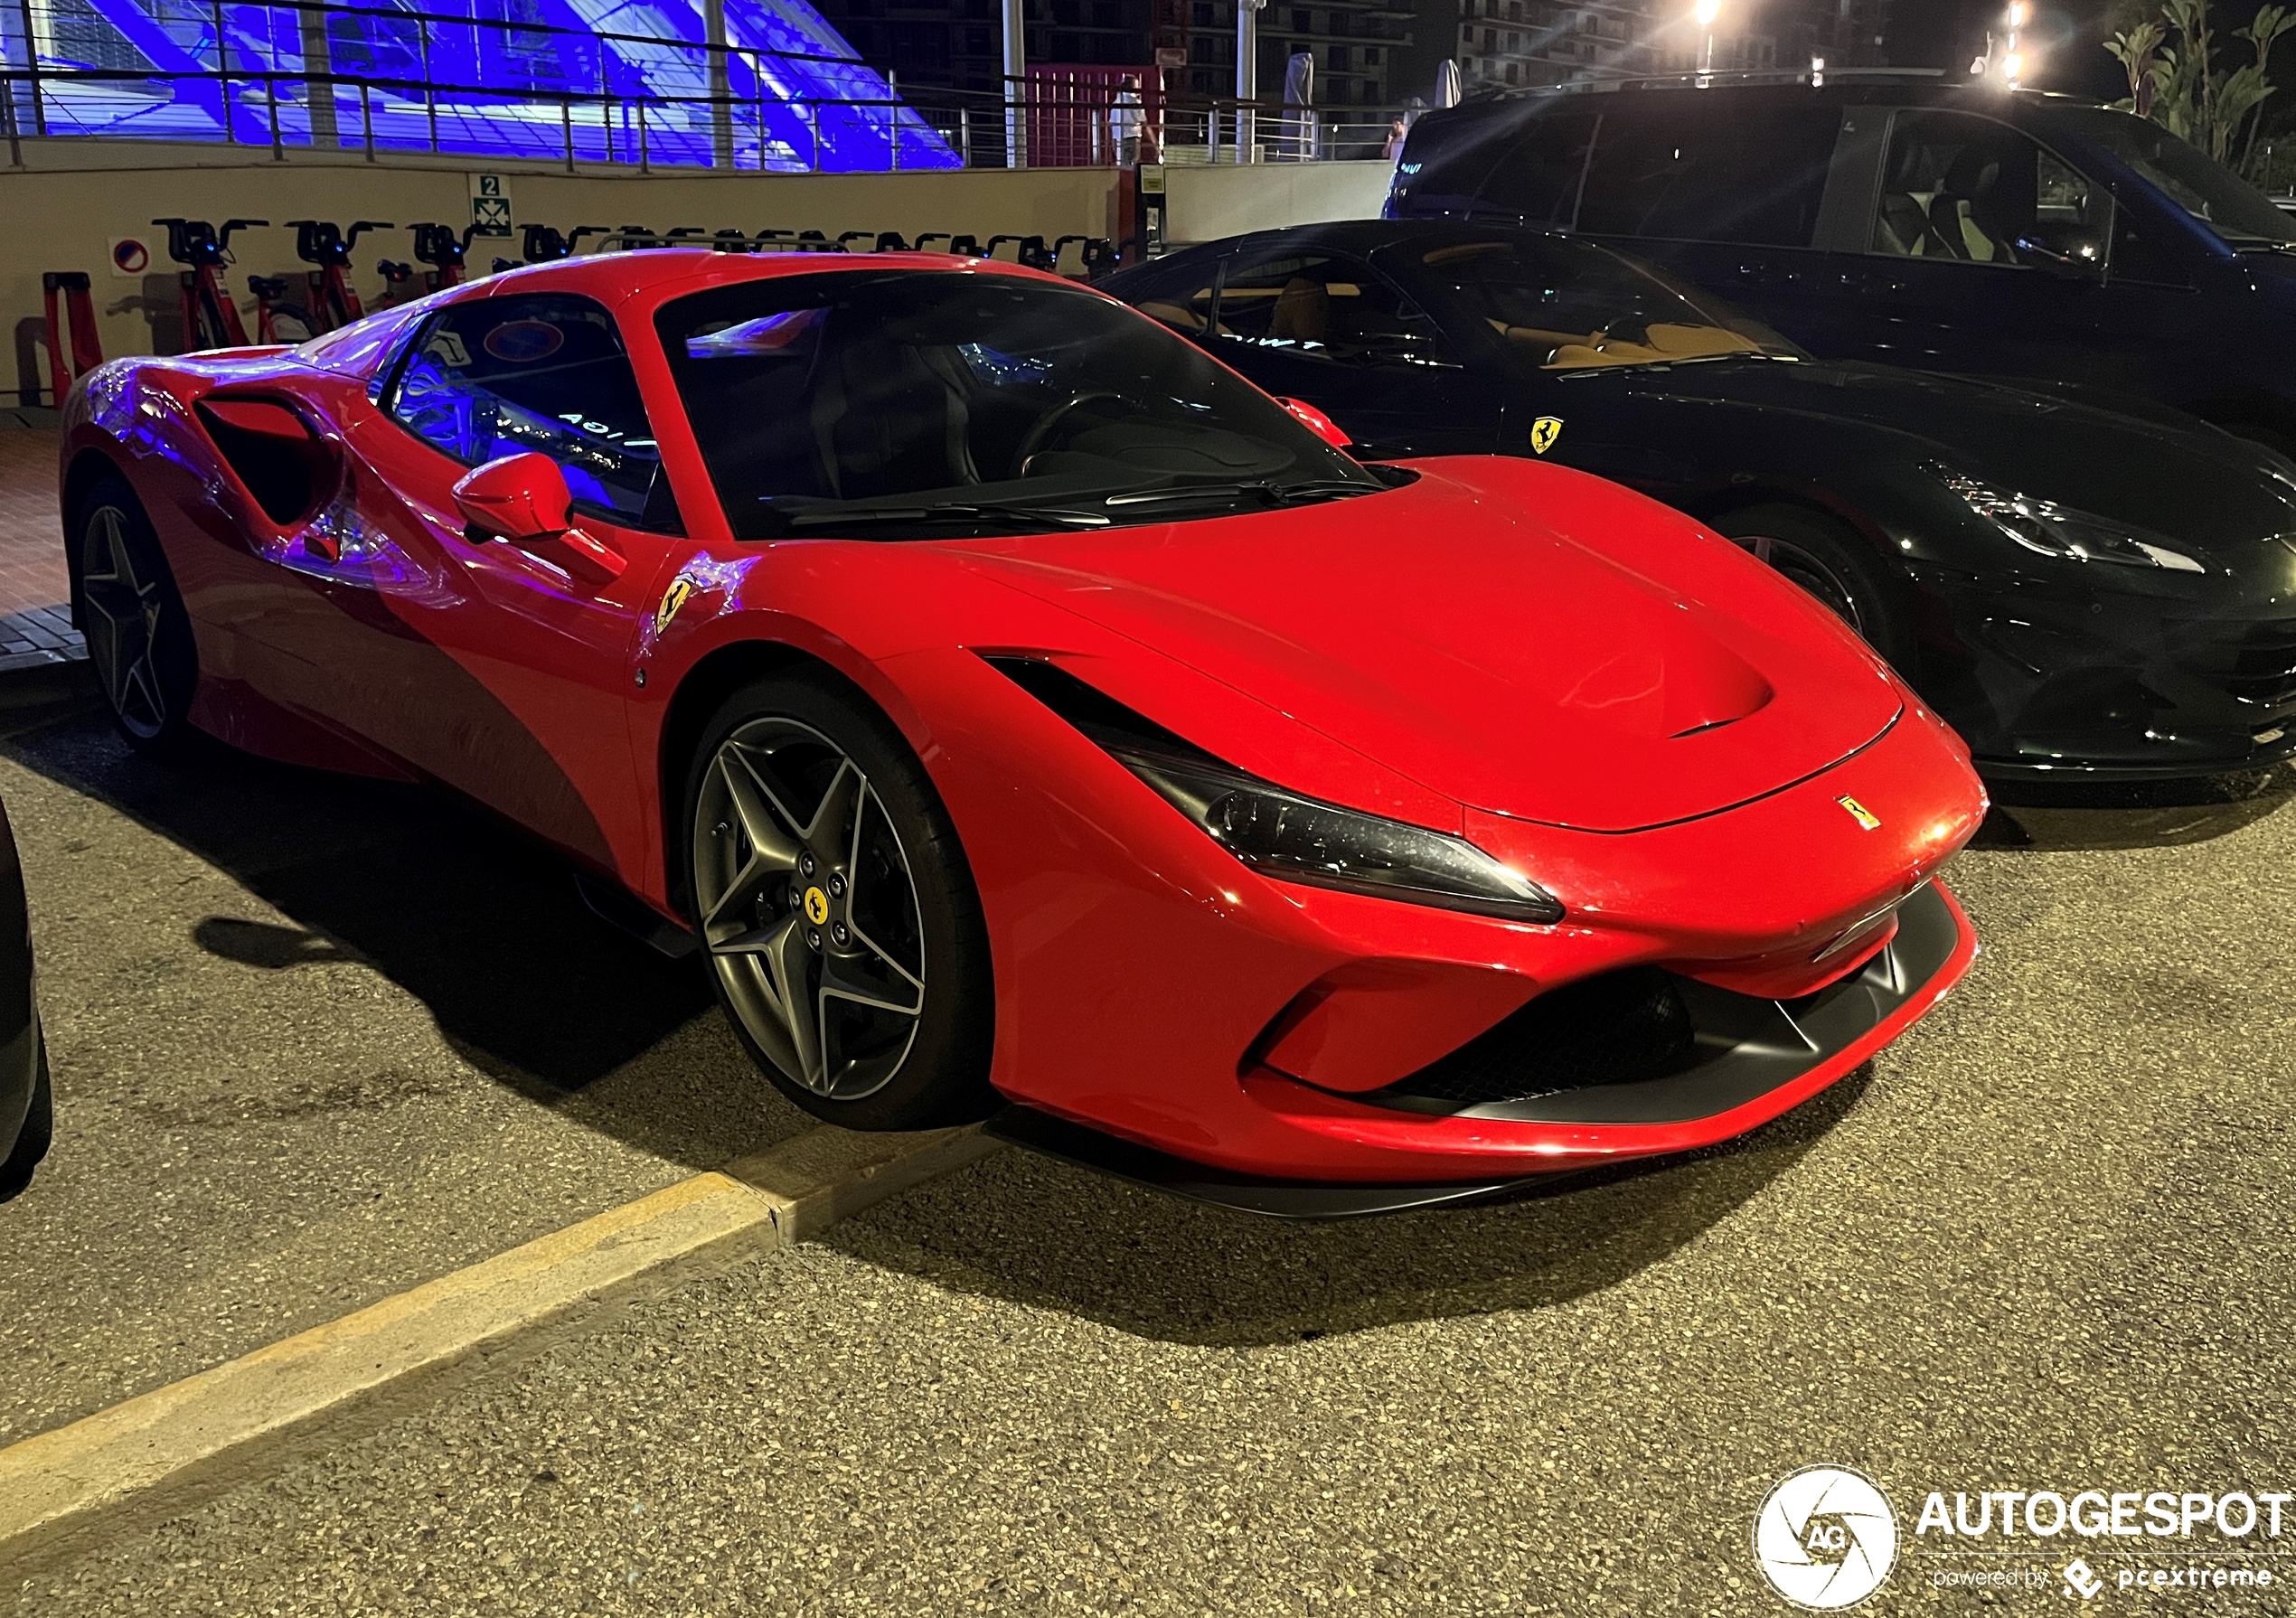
[{"x": 378, "y": 80}]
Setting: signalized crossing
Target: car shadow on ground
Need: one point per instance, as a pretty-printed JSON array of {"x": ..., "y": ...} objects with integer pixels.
[
  {"x": 2049, "y": 817},
  {"x": 479, "y": 923},
  {"x": 1048, "y": 1235}
]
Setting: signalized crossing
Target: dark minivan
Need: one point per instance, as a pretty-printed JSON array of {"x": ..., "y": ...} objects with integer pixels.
[{"x": 1901, "y": 220}]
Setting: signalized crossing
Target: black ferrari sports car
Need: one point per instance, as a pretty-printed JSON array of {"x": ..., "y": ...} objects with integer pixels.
[
  {"x": 26, "y": 1109},
  {"x": 2083, "y": 585}
]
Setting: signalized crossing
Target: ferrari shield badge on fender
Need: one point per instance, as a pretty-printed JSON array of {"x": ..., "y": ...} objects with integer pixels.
[
  {"x": 1860, "y": 813},
  {"x": 672, "y": 599},
  {"x": 1544, "y": 432}
]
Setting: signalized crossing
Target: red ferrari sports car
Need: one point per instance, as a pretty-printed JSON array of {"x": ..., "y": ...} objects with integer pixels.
[{"x": 1019, "y": 710}]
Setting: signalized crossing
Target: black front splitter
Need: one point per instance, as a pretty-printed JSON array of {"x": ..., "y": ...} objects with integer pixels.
[{"x": 1251, "y": 1193}]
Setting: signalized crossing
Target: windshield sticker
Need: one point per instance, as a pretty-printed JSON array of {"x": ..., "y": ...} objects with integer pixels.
[{"x": 523, "y": 342}]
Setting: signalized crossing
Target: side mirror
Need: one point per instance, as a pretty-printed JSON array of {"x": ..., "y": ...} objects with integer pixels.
[
  {"x": 521, "y": 497},
  {"x": 2081, "y": 265},
  {"x": 1318, "y": 423}
]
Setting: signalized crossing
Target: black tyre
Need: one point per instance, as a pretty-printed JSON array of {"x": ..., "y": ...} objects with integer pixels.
[
  {"x": 836, "y": 911},
  {"x": 1833, "y": 562},
  {"x": 139, "y": 637},
  {"x": 38, "y": 1132}
]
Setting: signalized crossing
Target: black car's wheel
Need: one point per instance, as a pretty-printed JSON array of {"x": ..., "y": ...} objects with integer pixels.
[
  {"x": 836, "y": 910},
  {"x": 1831, "y": 562},
  {"x": 139, "y": 637},
  {"x": 39, "y": 1130}
]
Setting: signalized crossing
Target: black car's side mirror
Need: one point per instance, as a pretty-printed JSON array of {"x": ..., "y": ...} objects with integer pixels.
[{"x": 2083, "y": 264}]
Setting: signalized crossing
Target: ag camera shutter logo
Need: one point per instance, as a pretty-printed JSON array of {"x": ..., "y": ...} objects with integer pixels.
[{"x": 1825, "y": 1538}]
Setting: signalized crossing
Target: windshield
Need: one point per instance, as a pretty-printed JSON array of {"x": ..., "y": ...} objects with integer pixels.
[
  {"x": 1564, "y": 305},
  {"x": 929, "y": 402},
  {"x": 2196, "y": 182}
]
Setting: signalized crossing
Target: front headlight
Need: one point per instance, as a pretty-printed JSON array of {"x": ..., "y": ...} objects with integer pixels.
[
  {"x": 1297, "y": 839},
  {"x": 2060, "y": 531}
]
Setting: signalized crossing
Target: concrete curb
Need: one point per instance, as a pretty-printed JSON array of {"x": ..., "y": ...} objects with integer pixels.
[{"x": 152, "y": 1452}]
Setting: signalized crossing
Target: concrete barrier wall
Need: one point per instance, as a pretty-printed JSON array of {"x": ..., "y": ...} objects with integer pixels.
[
  {"x": 64, "y": 207},
  {"x": 1205, "y": 204},
  {"x": 72, "y": 199}
]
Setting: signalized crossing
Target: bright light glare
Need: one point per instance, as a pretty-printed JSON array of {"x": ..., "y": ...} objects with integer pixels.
[
  {"x": 2012, "y": 66},
  {"x": 1707, "y": 12},
  {"x": 2018, "y": 12}
]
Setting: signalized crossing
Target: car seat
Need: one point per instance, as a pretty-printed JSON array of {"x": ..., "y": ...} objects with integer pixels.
[
  {"x": 886, "y": 421},
  {"x": 1961, "y": 213},
  {"x": 1303, "y": 311}
]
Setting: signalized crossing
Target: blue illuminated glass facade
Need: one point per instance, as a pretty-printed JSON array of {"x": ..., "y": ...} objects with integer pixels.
[{"x": 596, "y": 81}]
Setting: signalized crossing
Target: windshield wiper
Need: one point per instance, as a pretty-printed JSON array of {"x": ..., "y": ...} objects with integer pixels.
[
  {"x": 951, "y": 511},
  {"x": 1293, "y": 493}
]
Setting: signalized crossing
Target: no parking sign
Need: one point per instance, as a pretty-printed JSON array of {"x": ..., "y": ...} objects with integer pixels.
[{"x": 131, "y": 256}]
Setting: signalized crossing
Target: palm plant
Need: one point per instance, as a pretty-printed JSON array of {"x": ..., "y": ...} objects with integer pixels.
[{"x": 2175, "y": 80}]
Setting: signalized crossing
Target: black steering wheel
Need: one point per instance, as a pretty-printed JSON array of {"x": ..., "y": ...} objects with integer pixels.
[{"x": 1051, "y": 419}]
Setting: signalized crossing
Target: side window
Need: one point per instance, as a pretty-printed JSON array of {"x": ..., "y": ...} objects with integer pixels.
[
  {"x": 1965, "y": 188},
  {"x": 1183, "y": 302},
  {"x": 548, "y": 373},
  {"x": 1715, "y": 169},
  {"x": 1321, "y": 308},
  {"x": 2139, "y": 255},
  {"x": 1538, "y": 180}
]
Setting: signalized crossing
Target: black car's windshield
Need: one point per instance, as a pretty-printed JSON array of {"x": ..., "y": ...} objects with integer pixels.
[
  {"x": 1564, "y": 305},
  {"x": 2196, "y": 182},
  {"x": 933, "y": 402}
]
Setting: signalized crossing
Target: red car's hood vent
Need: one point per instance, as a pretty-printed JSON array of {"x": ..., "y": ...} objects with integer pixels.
[{"x": 1638, "y": 674}]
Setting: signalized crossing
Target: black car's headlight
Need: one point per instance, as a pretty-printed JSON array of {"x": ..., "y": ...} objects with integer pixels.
[
  {"x": 1300, "y": 840},
  {"x": 2061, "y": 531}
]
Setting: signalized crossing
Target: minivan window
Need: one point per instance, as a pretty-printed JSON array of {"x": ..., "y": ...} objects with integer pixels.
[
  {"x": 2196, "y": 182},
  {"x": 1956, "y": 186},
  {"x": 1537, "y": 180},
  {"x": 1710, "y": 169}
]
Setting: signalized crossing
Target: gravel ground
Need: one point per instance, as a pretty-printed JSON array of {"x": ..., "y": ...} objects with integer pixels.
[
  {"x": 315, "y": 1041},
  {"x": 2041, "y": 1243}
]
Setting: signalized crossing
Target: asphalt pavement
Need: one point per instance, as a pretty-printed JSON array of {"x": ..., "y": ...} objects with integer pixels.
[
  {"x": 2042, "y": 1242},
  {"x": 315, "y": 1041}
]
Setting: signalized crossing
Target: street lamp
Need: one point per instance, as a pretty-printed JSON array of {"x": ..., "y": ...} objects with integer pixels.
[{"x": 1707, "y": 12}]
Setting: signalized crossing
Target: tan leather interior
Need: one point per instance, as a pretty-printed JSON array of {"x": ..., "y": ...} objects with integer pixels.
[
  {"x": 1303, "y": 311},
  {"x": 1576, "y": 350},
  {"x": 1177, "y": 316}
]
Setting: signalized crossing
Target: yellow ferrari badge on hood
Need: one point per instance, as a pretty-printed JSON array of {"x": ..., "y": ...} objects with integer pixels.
[
  {"x": 1860, "y": 813},
  {"x": 1544, "y": 432}
]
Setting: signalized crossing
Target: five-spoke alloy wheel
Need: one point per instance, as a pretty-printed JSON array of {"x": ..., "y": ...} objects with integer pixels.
[
  {"x": 139, "y": 637},
  {"x": 839, "y": 920}
]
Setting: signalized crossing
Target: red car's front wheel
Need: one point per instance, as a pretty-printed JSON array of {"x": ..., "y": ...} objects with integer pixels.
[{"x": 839, "y": 919}]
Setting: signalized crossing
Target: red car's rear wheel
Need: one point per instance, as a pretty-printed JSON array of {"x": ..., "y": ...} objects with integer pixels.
[
  {"x": 139, "y": 637},
  {"x": 836, "y": 910}
]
